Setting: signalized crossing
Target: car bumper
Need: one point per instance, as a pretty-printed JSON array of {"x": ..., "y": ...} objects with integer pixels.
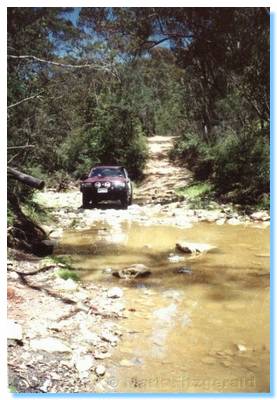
[{"x": 111, "y": 194}]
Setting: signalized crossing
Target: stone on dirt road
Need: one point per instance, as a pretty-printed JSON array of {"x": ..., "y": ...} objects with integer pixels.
[
  {"x": 51, "y": 345},
  {"x": 234, "y": 221},
  {"x": 66, "y": 284},
  {"x": 220, "y": 221},
  {"x": 100, "y": 370},
  {"x": 56, "y": 234},
  {"x": 134, "y": 271},
  {"x": 126, "y": 363},
  {"x": 115, "y": 293},
  {"x": 98, "y": 355},
  {"x": 190, "y": 248},
  {"x": 109, "y": 337},
  {"x": 260, "y": 216},
  {"x": 84, "y": 363},
  {"x": 14, "y": 330}
]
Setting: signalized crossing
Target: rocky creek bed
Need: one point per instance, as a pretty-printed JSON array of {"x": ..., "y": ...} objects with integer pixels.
[{"x": 62, "y": 333}]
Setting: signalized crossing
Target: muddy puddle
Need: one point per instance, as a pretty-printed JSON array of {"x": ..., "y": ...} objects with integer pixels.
[{"x": 196, "y": 324}]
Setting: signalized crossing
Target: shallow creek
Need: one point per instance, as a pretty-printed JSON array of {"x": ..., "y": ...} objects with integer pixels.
[{"x": 196, "y": 324}]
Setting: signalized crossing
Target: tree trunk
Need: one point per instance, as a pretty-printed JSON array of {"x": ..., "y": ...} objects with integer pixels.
[{"x": 27, "y": 179}]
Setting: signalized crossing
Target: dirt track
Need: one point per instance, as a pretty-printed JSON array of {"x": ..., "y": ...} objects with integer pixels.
[{"x": 162, "y": 176}]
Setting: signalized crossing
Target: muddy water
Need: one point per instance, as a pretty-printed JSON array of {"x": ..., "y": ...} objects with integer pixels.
[{"x": 205, "y": 329}]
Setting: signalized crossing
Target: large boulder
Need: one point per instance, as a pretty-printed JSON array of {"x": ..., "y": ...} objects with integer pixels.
[
  {"x": 134, "y": 271},
  {"x": 193, "y": 248}
]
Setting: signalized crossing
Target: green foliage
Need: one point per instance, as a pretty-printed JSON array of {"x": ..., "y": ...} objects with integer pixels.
[
  {"x": 241, "y": 167},
  {"x": 197, "y": 190},
  {"x": 65, "y": 274},
  {"x": 199, "y": 73},
  {"x": 263, "y": 202},
  {"x": 66, "y": 271},
  {"x": 36, "y": 213},
  {"x": 196, "y": 153},
  {"x": 66, "y": 261},
  {"x": 73, "y": 223},
  {"x": 197, "y": 194},
  {"x": 237, "y": 164},
  {"x": 10, "y": 217}
]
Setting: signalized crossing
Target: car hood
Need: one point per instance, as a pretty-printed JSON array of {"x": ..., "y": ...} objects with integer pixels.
[{"x": 105, "y": 179}]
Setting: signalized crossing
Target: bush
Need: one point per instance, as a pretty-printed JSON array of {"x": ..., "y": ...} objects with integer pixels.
[
  {"x": 66, "y": 261},
  {"x": 197, "y": 154},
  {"x": 10, "y": 217},
  {"x": 65, "y": 273},
  {"x": 198, "y": 194},
  {"x": 197, "y": 190},
  {"x": 36, "y": 213},
  {"x": 236, "y": 163},
  {"x": 120, "y": 139},
  {"x": 242, "y": 166}
]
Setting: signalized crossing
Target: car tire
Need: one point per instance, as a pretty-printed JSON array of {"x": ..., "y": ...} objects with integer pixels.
[
  {"x": 94, "y": 204},
  {"x": 130, "y": 202},
  {"x": 124, "y": 202},
  {"x": 85, "y": 201}
]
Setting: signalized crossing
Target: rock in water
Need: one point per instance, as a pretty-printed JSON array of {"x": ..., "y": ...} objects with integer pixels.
[
  {"x": 208, "y": 360},
  {"x": 241, "y": 347},
  {"x": 134, "y": 271},
  {"x": 175, "y": 258},
  {"x": 190, "y": 248},
  {"x": 185, "y": 270},
  {"x": 107, "y": 271}
]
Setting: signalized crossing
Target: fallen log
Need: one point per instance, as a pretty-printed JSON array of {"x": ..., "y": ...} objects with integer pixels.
[{"x": 27, "y": 179}]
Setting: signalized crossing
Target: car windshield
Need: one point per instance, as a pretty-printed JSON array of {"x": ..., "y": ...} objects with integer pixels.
[{"x": 102, "y": 172}]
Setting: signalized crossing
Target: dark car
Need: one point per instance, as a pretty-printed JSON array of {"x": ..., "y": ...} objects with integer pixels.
[{"x": 107, "y": 183}]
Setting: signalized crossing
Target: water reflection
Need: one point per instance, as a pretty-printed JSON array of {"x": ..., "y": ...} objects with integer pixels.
[{"x": 194, "y": 324}]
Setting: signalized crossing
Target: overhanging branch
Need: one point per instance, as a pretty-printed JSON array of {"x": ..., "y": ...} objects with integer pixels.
[
  {"x": 58, "y": 64},
  {"x": 21, "y": 147},
  {"x": 26, "y": 99}
]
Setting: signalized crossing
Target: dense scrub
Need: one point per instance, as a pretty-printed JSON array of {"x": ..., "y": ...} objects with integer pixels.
[
  {"x": 88, "y": 85},
  {"x": 237, "y": 165}
]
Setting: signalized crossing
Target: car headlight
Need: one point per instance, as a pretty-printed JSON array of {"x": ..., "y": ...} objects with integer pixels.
[
  {"x": 119, "y": 184},
  {"x": 97, "y": 184},
  {"x": 107, "y": 184}
]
